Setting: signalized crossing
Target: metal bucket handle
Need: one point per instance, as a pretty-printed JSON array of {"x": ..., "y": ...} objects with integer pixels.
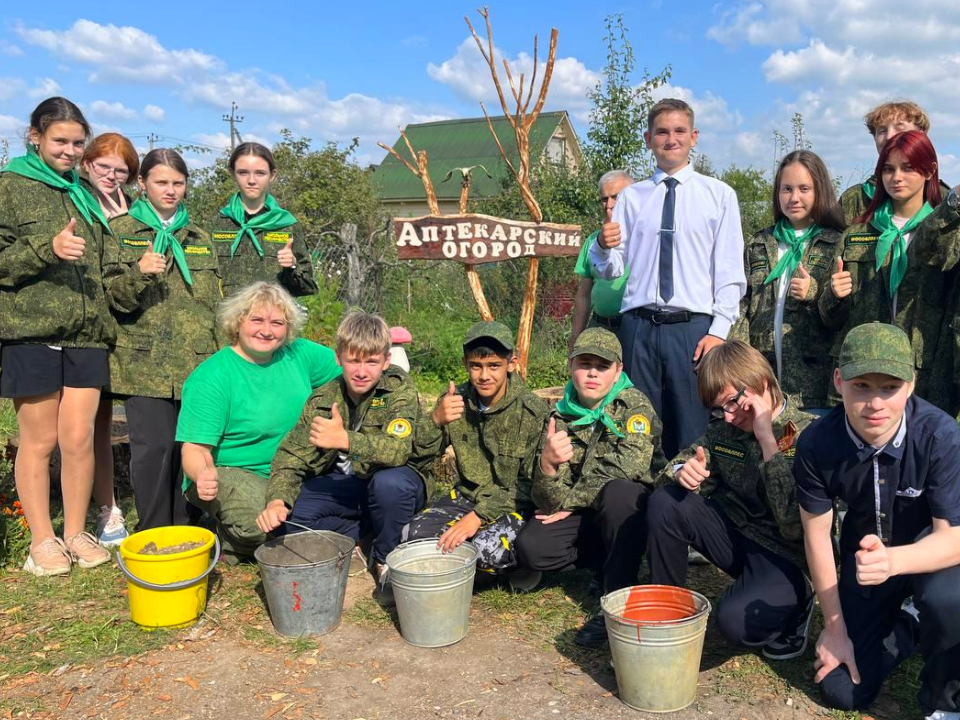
[
  {"x": 180, "y": 584},
  {"x": 340, "y": 554}
]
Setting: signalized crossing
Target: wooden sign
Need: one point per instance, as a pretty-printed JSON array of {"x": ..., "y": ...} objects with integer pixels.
[{"x": 474, "y": 239}]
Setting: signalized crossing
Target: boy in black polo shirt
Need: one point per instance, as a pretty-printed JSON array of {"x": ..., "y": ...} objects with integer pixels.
[{"x": 895, "y": 460}]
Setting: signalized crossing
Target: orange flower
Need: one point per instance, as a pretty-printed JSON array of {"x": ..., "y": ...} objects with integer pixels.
[
  {"x": 16, "y": 503},
  {"x": 20, "y": 512},
  {"x": 23, "y": 522},
  {"x": 8, "y": 512}
]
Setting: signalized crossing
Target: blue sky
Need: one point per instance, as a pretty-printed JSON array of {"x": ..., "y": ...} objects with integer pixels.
[{"x": 332, "y": 71}]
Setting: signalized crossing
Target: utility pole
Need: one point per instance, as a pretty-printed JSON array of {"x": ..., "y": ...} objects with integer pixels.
[
  {"x": 234, "y": 120},
  {"x": 151, "y": 139}
]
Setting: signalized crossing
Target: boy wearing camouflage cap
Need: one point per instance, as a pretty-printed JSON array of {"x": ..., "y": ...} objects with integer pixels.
[
  {"x": 895, "y": 460},
  {"x": 597, "y": 457},
  {"x": 493, "y": 423},
  {"x": 731, "y": 496}
]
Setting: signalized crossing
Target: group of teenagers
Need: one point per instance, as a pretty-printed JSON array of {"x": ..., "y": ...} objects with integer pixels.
[{"x": 723, "y": 396}]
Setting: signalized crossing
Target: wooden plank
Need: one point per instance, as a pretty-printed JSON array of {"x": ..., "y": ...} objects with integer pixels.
[{"x": 474, "y": 239}]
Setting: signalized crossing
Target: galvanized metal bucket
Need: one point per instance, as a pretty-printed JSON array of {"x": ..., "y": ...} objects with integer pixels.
[
  {"x": 433, "y": 591},
  {"x": 656, "y": 639},
  {"x": 305, "y": 578}
]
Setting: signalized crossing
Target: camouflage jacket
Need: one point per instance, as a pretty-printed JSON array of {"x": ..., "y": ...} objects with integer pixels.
[
  {"x": 386, "y": 421},
  {"x": 760, "y": 498},
  {"x": 165, "y": 327},
  {"x": 248, "y": 267},
  {"x": 854, "y": 200},
  {"x": 600, "y": 456},
  {"x": 494, "y": 450},
  {"x": 922, "y": 297},
  {"x": 806, "y": 368},
  {"x": 44, "y": 299}
]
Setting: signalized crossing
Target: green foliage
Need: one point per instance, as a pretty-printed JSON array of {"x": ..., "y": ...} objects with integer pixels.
[
  {"x": 755, "y": 194},
  {"x": 620, "y": 106},
  {"x": 324, "y": 311}
]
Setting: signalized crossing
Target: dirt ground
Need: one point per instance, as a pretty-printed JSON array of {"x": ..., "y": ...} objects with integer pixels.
[{"x": 364, "y": 671}]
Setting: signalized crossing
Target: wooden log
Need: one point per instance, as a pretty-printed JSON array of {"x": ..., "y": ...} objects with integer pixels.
[
  {"x": 478, "y": 295},
  {"x": 525, "y": 331}
]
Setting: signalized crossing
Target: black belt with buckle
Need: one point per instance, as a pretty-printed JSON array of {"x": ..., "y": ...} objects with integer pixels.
[
  {"x": 665, "y": 317},
  {"x": 611, "y": 323}
]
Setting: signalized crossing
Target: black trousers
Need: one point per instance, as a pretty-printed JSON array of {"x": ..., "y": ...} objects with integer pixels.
[
  {"x": 155, "y": 471},
  {"x": 659, "y": 361},
  {"x": 883, "y": 636},
  {"x": 768, "y": 593},
  {"x": 608, "y": 540}
]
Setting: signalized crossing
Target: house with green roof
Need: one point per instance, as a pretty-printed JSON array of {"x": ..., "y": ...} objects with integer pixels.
[{"x": 452, "y": 144}]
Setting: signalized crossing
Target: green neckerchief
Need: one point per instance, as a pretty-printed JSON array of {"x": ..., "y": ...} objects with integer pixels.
[
  {"x": 892, "y": 236},
  {"x": 869, "y": 188},
  {"x": 274, "y": 218},
  {"x": 33, "y": 167},
  {"x": 144, "y": 212},
  {"x": 569, "y": 406},
  {"x": 783, "y": 231}
]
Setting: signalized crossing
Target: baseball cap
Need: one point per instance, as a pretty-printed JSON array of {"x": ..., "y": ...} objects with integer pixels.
[
  {"x": 876, "y": 348},
  {"x": 495, "y": 331},
  {"x": 599, "y": 342}
]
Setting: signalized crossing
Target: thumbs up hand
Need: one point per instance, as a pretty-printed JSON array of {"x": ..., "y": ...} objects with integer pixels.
[
  {"x": 609, "y": 236},
  {"x": 68, "y": 246},
  {"x": 557, "y": 449},
  {"x": 449, "y": 408},
  {"x": 285, "y": 257},
  {"x": 841, "y": 282},
  {"x": 152, "y": 263},
  {"x": 329, "y": 434},
  {"x": 800, "y": 284},
  {"x": 208, "y": 483},
  {"x": 694, "y": 471},
  {"x": 874, "y": 562}
]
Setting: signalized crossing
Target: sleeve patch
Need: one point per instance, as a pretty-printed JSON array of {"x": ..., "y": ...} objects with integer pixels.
[
  {"x": 135, "y": 242},
  {"x": 736, "y": 453},
  {"x": 758, "y": 265},
  {"x": 638, "y": 425},
  {"x": 197, "y": 250},
  {"x": 277, "y": 237},
  {"x": 862, "y": 238},
  {"x": 224, "y": 236},
  {"x": 399, "y": 428}
]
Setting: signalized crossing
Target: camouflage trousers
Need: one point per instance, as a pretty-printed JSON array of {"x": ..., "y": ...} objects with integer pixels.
[
  {"x": 241, "y": 497},
  {"x": 494, "y": 542}
]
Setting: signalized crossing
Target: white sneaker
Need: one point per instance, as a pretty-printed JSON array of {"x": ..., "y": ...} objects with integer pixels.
[
  {"x": 943, "y": 715},
  {"x": 110, "y": 528}
]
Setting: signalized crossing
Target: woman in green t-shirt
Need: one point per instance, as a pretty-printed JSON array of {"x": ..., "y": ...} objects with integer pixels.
[{"x": 241, "y": 402}]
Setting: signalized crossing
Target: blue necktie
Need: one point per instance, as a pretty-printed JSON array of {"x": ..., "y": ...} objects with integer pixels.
[{"x": 666, "y": 239}]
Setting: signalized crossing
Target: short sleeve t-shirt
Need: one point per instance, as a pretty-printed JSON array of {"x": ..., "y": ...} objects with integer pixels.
[
  {"x": 607, "y": 295},
  {"x": 244, "y": 410}
]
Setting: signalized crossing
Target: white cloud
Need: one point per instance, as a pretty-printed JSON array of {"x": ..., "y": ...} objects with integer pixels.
[
  {"x": 154, "y": 113},
  {"x": 10, "y": 88},
  {"x": 10, "y": 50},
  {"x": 112, "y": 110},
  {"x": 468, "y": 74},
  {"x": 711, "y": 113},
  {"x": 11, "y": 128},
  {"x": 120, "y": 53}
]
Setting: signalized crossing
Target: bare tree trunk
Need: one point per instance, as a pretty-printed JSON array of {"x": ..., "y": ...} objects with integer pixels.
[{"x": 355, "y": 272}]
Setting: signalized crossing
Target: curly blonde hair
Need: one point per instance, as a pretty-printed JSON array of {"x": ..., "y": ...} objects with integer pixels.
[{"x": 235, "y": 308}]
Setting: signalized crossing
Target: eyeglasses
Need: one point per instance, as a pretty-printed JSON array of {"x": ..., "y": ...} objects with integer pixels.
[
  {"x": 729, "y": 407},
  {"x": 105, "y": 171},
  {"x": 606, "y": 198}
]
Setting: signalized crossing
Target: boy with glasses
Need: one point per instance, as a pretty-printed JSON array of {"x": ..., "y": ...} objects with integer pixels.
[{"x": 731, "y": 496}]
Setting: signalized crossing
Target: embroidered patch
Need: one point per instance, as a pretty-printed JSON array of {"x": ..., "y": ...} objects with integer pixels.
[
  {"x": 277, "y": 237},
  {"x": 758, "y": 265},
  {"x": 737, "y": 453},
  {"x": 399, "y": 428},
  {"x": 818, "y": 261},
  {"x": 862, "y": 238},
  {"x": 791, "y": 453},
  {"x": 378, "y": 402},
  {"x": 224, "y": 236},
  {"x": 196, "y": 250},
  {"x": 135, "y": 242},
  {"x": 638, "y": 425}
]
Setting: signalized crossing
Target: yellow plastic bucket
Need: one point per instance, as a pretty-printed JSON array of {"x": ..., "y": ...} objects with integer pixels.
[{"x": 167, "y": 590}]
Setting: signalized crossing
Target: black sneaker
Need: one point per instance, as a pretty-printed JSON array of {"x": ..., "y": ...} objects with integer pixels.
[
  {"x": 593, "y": 634},
  {"x": 793, "y": 641}
]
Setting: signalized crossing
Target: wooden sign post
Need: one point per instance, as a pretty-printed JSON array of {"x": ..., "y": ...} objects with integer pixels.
[{"x": 475, "y": 239}]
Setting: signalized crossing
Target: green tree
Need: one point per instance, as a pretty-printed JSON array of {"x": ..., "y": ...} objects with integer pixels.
[
  {"x": 755, "y": 195},
  {"x": 620, "y": 107}
]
